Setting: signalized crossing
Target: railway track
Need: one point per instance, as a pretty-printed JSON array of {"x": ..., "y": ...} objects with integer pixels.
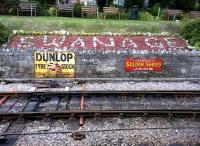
[
  {"x": 147, "y": 103},
  {"x": 19, "y": 108},
  {"x": 103, "y": 113}
]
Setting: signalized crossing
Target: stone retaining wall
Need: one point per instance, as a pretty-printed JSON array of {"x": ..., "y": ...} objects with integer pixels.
[{"x": 15, "y": 63}]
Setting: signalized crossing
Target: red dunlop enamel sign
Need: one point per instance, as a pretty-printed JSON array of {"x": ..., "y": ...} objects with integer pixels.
[{"x": 143, "y": 65}]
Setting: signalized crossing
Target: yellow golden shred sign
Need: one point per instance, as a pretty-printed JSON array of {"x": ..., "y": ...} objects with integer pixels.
[{"x": 54, "y": 64}]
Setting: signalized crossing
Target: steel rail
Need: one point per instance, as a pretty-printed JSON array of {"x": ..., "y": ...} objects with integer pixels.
[
  {"x": 15, "y": 80},
  {"x": 49, "y": 91},
  {"x": 102, "y": 113},
  {"x": 101, "y": 130}
]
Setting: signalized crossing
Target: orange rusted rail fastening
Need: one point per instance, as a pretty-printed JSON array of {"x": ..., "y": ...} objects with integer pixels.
[
  {"x": 13, "y": 90},
  {"x": 3, "y": 100},
  {"x": 82, "y": 104}
]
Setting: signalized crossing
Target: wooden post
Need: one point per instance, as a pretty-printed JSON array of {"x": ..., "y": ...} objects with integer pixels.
[
  {"x": 106, "y": 3},
  {"x": 159, "y": 13},
  {"x": 82, "y": 13},
  {"x": 146, "y": 4},
  {"x": 197, "y": 5},
  {"x": 17, "y": 11},
  {"x": 35, "y": 10},
  {"x": 97, "y": 12},
  {"x": 73, "y": 11},
  {"x": 31, "y": 11}
]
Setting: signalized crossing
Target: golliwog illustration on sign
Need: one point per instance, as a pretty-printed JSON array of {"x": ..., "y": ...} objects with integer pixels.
[{"x": 54, "y": 64}]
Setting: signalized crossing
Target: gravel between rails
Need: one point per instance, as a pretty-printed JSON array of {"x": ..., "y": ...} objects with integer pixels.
[
  {"x": 189, "y": 134},
  {"x": 19, "y": 106},
  {"x": 108, "y": 86},
  {"x": 8, "y": 104},
  {"x": 3, "y": 126},
  {"x": 137, "y": 86},
  {"x": 62, "y": 104},
  {"x": 36, "y": 126},
  {"x": 17, "y": 87},
  {"x": 49, "y": 105}
]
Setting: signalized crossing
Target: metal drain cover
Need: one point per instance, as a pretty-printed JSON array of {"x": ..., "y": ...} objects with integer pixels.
[{"x": 78, "y": 135}]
